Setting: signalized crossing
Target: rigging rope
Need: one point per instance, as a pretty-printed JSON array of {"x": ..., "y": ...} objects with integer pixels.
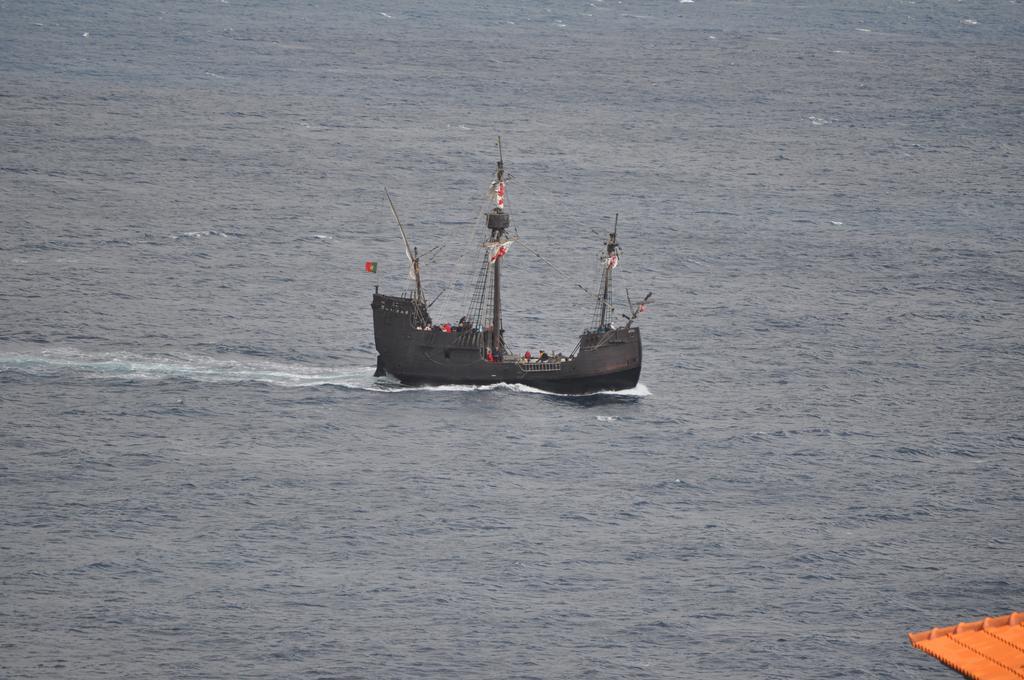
[
  {"x": 463, "y": 275},
  {"x": 447, "y": 241},
  {"x": 475, "y": 305},
  {"x": 609, "y": 305}
]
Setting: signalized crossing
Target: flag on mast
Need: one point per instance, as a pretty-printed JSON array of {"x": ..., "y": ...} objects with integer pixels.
[
  {"x": 498, "y": 192},
  {"x": 499, "y": 249},
  {"x": 371, "y": 267}
]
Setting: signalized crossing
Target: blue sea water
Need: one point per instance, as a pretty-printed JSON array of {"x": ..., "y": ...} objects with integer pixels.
[{"x": 200, "y": 476}]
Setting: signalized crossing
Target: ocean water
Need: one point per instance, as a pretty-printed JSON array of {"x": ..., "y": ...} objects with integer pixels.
[{"x": 200, "y": 476}]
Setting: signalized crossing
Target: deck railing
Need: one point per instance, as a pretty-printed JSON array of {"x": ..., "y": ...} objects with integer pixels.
[{"x": 539, "y": 366}]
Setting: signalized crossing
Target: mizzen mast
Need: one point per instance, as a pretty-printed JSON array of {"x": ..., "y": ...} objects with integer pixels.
[{"x": 410, "y": 252}]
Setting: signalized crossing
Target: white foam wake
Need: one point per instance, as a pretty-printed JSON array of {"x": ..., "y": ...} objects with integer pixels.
[
  {"x": 639, "y": 391},
  {"x": 127, "y": 365}
]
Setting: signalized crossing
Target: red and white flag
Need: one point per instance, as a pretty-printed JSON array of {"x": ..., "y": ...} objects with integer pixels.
[
  {"x": 499, "y": 194},
  {"x": 498, "y": 250},
  {"x": 613, "y": 261}
]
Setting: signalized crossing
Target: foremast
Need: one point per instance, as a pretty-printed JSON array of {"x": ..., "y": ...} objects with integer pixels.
[{"x": 609, "y": 261}]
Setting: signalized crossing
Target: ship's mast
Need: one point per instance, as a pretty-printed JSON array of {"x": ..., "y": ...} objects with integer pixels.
[
  {"x": 610, "y": 260},
  {"x": 498, "y": 223},
  {"x": 496, "y": 322},
  {"x": 410, "y": 252}
]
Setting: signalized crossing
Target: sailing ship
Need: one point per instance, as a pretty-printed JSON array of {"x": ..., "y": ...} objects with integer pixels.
[{"x": 416, "y": 350}]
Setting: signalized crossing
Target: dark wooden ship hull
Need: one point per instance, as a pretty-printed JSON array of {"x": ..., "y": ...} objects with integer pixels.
[{"x": 603, "y": 360}]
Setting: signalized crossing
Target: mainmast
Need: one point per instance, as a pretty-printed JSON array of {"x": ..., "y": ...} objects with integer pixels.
[
  {"x": 498, "y": 223},
  {"x": 611, "y": 261}
]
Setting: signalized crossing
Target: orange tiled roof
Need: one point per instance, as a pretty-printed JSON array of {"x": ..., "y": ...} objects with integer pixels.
[{"x": 990, "y": 649}]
